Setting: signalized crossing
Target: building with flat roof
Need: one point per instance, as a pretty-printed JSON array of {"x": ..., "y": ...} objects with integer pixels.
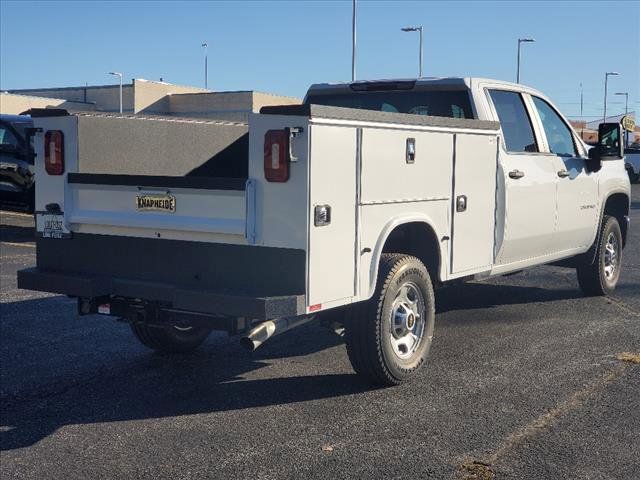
[{"x": 150, "y": 98}]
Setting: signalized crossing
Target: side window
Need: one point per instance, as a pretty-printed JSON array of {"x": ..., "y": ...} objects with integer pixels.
[
  {"x": 558, "y": 134},
  {"x": 515, "y": 122},
  {"x": 7, "y": 137}
]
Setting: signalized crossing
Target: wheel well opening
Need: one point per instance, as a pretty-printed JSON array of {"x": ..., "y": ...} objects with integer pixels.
[
  {"x": 417, "y": 239},
  {"x": 618, "y": 206}
]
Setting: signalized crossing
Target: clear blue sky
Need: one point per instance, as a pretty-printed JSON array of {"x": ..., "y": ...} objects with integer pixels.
[{"x": 282, "y": 47}]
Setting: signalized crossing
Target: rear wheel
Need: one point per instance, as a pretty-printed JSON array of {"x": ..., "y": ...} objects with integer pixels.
[
  {"x": 633, "y": 177},
  {"x": 389, "y": 336},
  {"x": 171, "y": 338},
  {"x": 601, "y": 276}
]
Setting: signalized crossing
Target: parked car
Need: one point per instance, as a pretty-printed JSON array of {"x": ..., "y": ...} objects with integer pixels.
[
  {"x": 356, "y": 205},
  {"x": 632, "y": 163},
  {"x": 16, "y": 162}
]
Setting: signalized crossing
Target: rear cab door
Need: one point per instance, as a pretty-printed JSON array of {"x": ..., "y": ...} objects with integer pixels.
[{"x": 526, "y": 192}]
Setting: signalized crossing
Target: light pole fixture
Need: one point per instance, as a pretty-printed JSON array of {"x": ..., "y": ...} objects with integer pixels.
[
  {"x": 206, "y": 69},
  {"x": 520, "y": 42},
  {"x": 606, "y": 81},
  {"x": 353, "y": 41},
  {"x": 626, "y": 111},
  {"x": 416, "y": 29},
  {"x": 118, "y": 74}
]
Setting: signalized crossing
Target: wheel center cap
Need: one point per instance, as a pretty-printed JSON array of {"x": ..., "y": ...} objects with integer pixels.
[{"x": 411, "y": 320}]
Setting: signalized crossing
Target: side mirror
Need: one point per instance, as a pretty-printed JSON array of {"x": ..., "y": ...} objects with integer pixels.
[{"x": 610, "y": 144}]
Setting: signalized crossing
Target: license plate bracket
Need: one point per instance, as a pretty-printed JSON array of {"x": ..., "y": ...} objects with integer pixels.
[{"x": 52, "y": 225}]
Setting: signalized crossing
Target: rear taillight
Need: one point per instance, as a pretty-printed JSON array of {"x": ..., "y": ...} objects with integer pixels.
[
  {"x": 54, "y": 152},
  {"x": 276, "y": 156}
]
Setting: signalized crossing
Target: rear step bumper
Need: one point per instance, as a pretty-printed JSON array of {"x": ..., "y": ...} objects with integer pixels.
[{"x": 190, "y": 300}]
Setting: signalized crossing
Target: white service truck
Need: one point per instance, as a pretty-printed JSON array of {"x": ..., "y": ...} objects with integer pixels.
[{"x": 353, "y": 206}]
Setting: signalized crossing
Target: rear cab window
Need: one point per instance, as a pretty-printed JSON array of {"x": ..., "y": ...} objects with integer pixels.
[
  {"x": 452, "y": 103},
  {"x": 514, "y": 120}
]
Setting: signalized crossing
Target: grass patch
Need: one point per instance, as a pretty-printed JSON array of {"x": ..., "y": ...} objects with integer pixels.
[
  {"x": 477, "y": 471},
  {"x": 629, "y": 357}
]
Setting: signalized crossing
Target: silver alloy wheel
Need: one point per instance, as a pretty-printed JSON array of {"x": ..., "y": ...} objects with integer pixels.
[
  {"x": 611, "y": 257},
  {"x": 407, "y": 320}
]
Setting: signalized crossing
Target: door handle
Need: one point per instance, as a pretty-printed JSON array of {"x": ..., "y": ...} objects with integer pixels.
[
  {"x": 563, "y": 173},
  {"x": 516, "y": 174}
]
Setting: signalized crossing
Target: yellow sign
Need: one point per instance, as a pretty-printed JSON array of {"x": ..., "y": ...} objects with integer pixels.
[{"x": 628, "y": 123}]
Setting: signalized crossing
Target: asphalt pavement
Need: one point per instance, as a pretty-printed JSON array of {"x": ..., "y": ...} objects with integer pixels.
[{"x": 524, "y": 381}]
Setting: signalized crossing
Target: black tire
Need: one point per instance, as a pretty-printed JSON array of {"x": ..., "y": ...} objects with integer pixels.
[
  {"x": 170, "y": 339},
  {"x": 633, "y": 177},
  {"x": 371, "y": 326},
  {"x": 597, "y": 278}
]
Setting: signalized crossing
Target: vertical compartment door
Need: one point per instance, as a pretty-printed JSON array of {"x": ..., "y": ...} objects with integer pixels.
[
  {"x": 473, "y": 206},
  {"x": 332, "y": 214}
]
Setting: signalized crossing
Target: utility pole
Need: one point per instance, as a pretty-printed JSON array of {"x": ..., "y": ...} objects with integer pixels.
[
  {"x": 118, "y": 74},
  {"x": 606, "y": 81},
  {"x": 206, "y": 67},
  {"x": 626, "y": 111},
  {"x": 581, "y": 110},
  {"x": 521, "y": 41},
  {"x": 353, "y": 43},
  {"x": 417, "y": 29}
]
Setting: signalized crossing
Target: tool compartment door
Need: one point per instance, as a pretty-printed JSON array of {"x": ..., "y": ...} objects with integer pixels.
[
  {"x": 474, "y": 202},
  {"x": 331, "y": 253}
]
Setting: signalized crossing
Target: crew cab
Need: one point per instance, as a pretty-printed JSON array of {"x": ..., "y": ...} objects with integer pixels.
[{"x": 352, "y": 207}]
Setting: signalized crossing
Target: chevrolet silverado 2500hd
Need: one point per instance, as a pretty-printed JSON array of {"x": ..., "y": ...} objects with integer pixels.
[{"x": 352, "y": 206}]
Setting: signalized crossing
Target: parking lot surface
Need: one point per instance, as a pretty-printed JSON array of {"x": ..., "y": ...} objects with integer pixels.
[{"x": 525, "y": 381}]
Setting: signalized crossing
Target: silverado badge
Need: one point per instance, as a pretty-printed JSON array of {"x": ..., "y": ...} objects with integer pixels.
[{"x": 156, "y": 203}]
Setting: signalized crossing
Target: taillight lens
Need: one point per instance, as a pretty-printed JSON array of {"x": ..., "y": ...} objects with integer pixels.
[
  {"x": 276, "y": 156},
  {"x": 54, "y": 152}
]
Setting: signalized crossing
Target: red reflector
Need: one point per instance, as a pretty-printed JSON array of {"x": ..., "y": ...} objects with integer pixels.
[
  {"x": 54, "y": 152},
  {"x": 276, "y": 156},
  {"x": 315, "y": 308}
]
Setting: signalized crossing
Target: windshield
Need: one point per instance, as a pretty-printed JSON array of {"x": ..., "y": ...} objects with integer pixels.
[{"x": 437, "y": 103}]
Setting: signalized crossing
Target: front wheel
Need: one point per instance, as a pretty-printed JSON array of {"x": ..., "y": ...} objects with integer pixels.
[
  {"x": 170, "y": 338},
  {"x": 389, "y": 336},
  {"x": 601, "y": 276}
]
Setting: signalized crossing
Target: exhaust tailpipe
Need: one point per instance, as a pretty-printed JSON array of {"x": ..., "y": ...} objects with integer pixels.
[{"x": 270, "y": 328}]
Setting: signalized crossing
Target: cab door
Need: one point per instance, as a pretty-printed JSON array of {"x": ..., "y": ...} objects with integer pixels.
[
  {"x": 527, "y": 183},
  {"x": 577, "y": 188}
]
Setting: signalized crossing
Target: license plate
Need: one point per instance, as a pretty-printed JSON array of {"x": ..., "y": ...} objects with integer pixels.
[
  {"x": 156, "y": 203},
  {"x": 52, "y": 225}
]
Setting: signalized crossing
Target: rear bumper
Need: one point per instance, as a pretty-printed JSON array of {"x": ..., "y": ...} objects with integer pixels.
[{"x": 184, "y": 299}]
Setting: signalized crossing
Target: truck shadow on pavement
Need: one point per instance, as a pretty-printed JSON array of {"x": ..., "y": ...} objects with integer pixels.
[
  {"x": 485, "y": 295},
  {"x": 138, "y": 384},
  {"x": 134, "y": 384},
  {"x": 14, "y": 233}
]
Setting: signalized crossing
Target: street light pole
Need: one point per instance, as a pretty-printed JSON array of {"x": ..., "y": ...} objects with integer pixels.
[
  {"x": 118, "y": 74},
  {"x": 417, "y": 29},
  {"x": 353, "y": 42},
  {"x": 581, "y": 110},
  {"x": 606, "y": 81},
  {"x": 206, "y": 69},
  {"x": 626, "y": 111},
  {"x": 521, "y": 41}
]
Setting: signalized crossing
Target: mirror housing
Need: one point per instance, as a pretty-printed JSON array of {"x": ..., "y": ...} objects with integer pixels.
[
  {"x": 610, "y": 142},
  {"x": 610, "y": 146}
]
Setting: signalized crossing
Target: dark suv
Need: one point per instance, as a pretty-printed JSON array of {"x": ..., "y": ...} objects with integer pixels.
[{"x": 16, "y": 162}]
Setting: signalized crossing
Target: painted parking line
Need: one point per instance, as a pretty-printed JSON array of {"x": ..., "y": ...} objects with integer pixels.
[
  {"x": 13, "y": 244},
  {"x": 15, "y": 214}
]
